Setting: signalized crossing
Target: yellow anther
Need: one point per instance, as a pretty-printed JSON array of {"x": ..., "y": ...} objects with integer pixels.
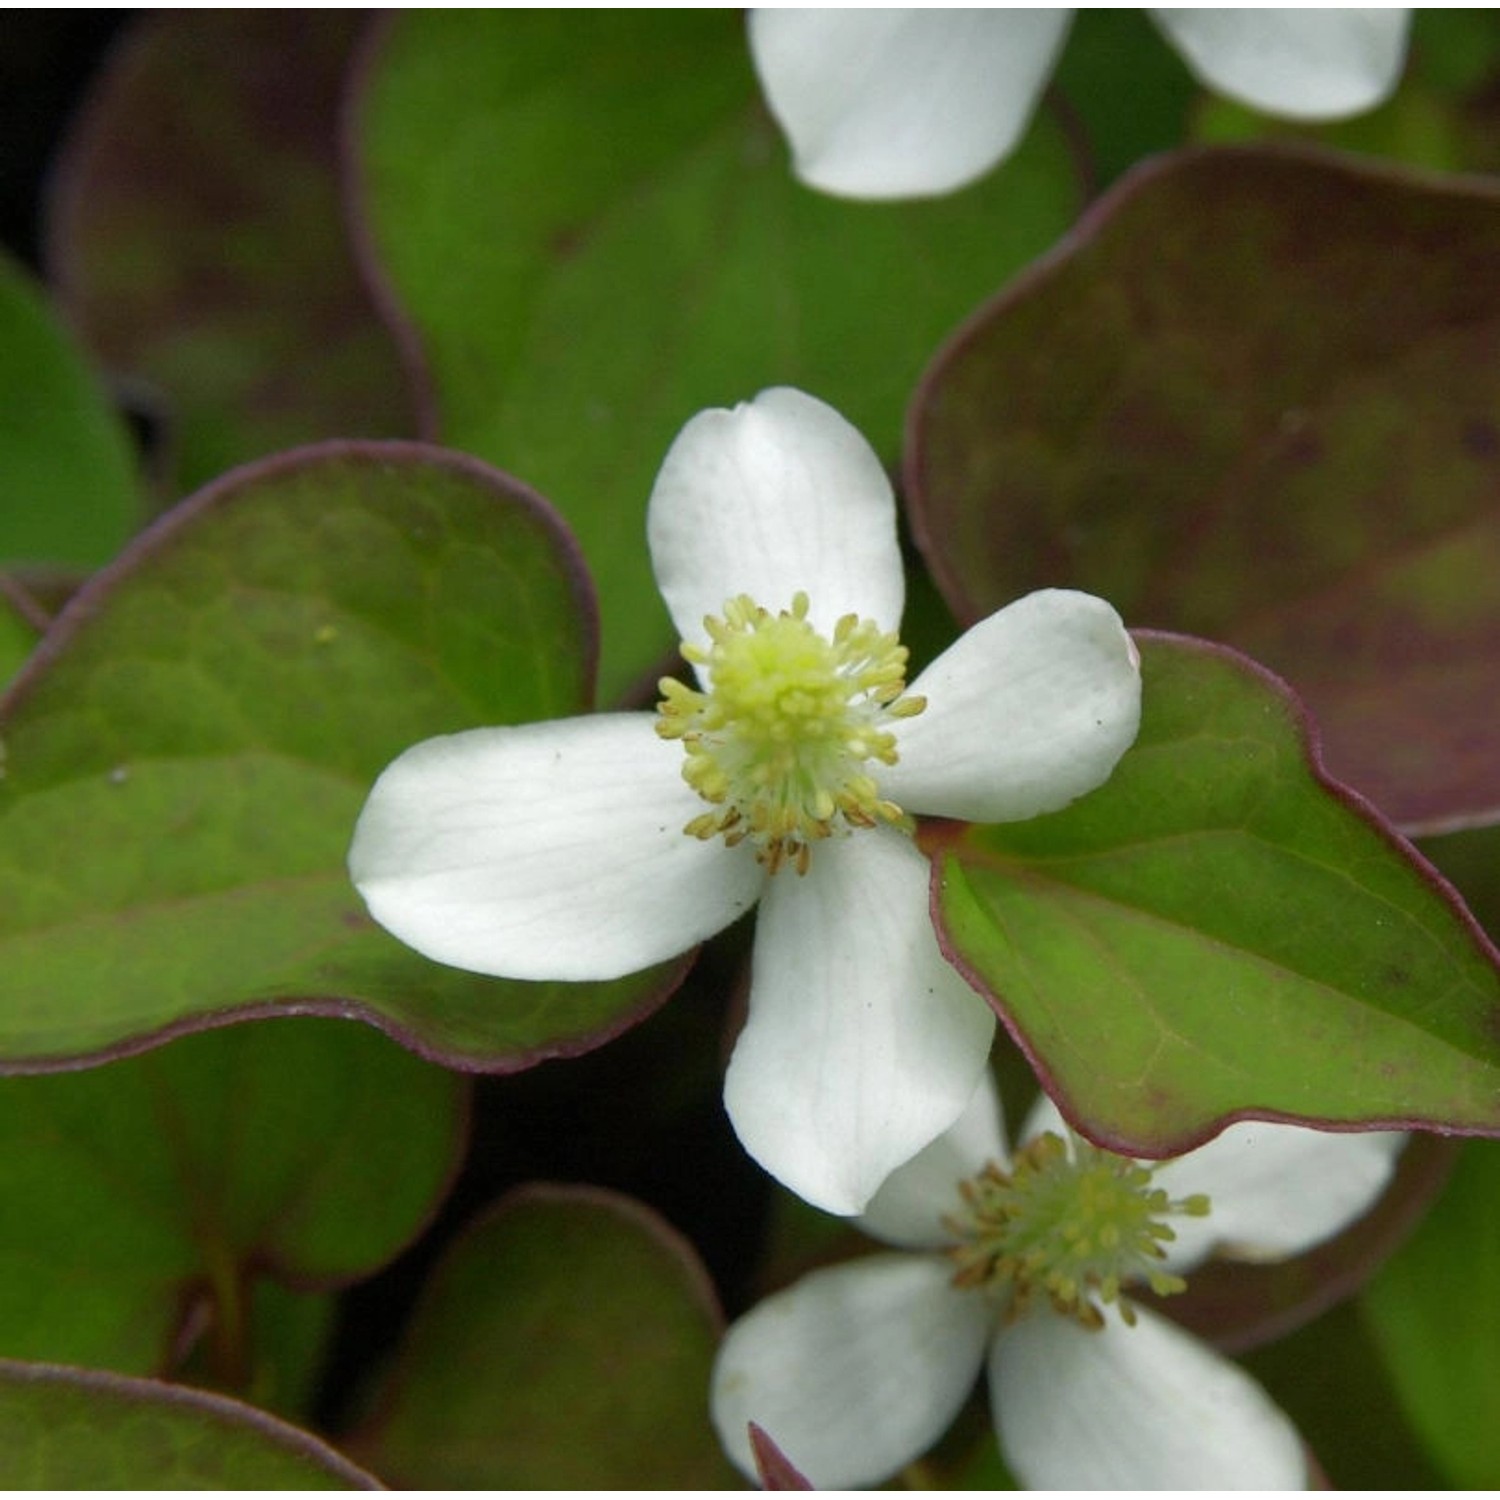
[
  {"x": 1069, "y": 1222},
  {"x": 782, "y": 736}
]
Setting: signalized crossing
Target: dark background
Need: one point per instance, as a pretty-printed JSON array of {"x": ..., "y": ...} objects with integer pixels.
[{"x": 47, "y": 58}]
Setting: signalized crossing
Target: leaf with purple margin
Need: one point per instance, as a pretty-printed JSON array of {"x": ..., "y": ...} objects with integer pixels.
[
  {"x": 595, "y": 233},
  {"x": 776, "y": 1470},
  {"x": 146, "y": 1200},
  {"x": 70, "y": 1429},
  {"x": 1254, "y": 397},
  {"x": 190, "y": 747},
  {"x": 68, "y": 487},
  {"x": 564, "y": 1342},
  {"x": 1220, "y": 932},
  {"x": 196, "y": 237}
]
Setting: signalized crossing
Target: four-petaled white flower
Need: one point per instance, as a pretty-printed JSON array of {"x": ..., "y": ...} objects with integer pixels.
[
  {"x": 859, "y": 1369},
  {"x": 592, "y": 847},
  {"x": 908, "y": 103}
]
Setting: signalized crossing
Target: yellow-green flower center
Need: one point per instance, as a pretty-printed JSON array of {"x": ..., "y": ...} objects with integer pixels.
[
  {"x": 1070, "y": 1223},
  {"x": 782, "y": 740}
]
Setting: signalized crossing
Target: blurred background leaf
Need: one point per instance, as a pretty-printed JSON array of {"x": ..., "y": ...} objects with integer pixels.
[
  {"x": 68, "y": 486},
  {"x": 1254, "y": 398},
  {"x": 1434, "y": 1314},
  {"x": 146, "y": 1200},
  {"x": 594, "y": 233},
  {"x": 196, "y": 239},
  {"x": 564, "y": 1341}
]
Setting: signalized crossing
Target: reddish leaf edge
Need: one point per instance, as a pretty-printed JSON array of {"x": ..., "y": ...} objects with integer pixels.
[
  {"x": 226, "y": 1409},
  {"x": 94, "y": 596},
  {"x": 937, "y": 839},
  {"x": 1094, "y": 222}
]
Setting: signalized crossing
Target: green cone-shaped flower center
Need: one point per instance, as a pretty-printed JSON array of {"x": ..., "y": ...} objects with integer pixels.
[
  {"x": 782, "y": 740},
  {"x": 1070, "y": 1223}
]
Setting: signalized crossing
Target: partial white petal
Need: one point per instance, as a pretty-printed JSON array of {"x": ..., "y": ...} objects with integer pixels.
[
  {"x": 546, "y": 851},
  {"x": 854, "y": 1371},
  {"x": 777, "y": 496},
  {"x": 1026, "y": 711},
  {"x": 1276, "y": 1190},
  {"x": 902, "y": 103},
  {"x": 1141, "y": 1408},
  {"x": 862, "y": 1044},
  {"x": 1309, "y": 64},
  {"x": 908, "y": 1210}
]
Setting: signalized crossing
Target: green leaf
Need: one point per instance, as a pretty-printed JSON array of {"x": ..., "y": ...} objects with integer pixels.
[
  {"x": 190, "y": 748},
  {"x": 1220, "y": 931},
  {"x": 1434, "y": 1311},
  {"x": 67, "y": 472},
  {"x": 595, "y": 234},
  {"x": 1254, "y": 399},
  {"x": 65, "y": 1429},
  {"x": 197, "y": 239},
  {"x": 565, "y": 1342},
  {"x": 145, "y": 1199}
]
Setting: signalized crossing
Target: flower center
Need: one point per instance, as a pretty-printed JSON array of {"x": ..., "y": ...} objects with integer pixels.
[
  {"x": 782, "y": 740},
  {"x": 1068, "y": 1222}
]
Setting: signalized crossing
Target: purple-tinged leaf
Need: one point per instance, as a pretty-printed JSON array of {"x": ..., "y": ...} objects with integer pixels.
[
  {"x": 1254, "y": 397},
  {"x": 196, "y": 238}
]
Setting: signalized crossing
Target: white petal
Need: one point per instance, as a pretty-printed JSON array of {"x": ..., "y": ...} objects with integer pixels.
[
  {"x": 862, "y": 1044},
  {"x": 1026, "y": 711},
  {"x": 1140, "y": 1408},
  {"x": 902, "y": 103},
  {"x": 777, "y": 496},
  {"x": 1306, "y": 64},
  {"x": 546, "y": 851},
  {"x": 854, "y": 1371},
  {"x": 1276, "y": 1190},
  {"x": 909, "y": 1208}
]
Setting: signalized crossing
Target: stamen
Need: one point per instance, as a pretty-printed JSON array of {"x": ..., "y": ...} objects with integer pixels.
[
  {"x": 782, "y": 739},
  {"x": 1068, "y": 1222}
]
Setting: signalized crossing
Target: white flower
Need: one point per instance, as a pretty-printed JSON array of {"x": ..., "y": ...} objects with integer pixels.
[
  {"x": 592, "y": 847},
  {"x": 907, "y": 103},
  {"x": 857, "y": 1370}
]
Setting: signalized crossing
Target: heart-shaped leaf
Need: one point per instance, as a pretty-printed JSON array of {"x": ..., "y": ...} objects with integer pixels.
[
  {"x": 1219, "y": 931},
  {"x": 189, "y": 749},
  {"x": 565, "y": 1342},
  {"x": 196, "y": 237},
  {"x": 68, "y": 490},
  {"x": 1254, "y": 398},
  {"x": 144, "y": 1198},
  {"x": 69, "y": 1429},
  {"x": 595, "y": 233},
  {"x": 1434, "y": 1310}
]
